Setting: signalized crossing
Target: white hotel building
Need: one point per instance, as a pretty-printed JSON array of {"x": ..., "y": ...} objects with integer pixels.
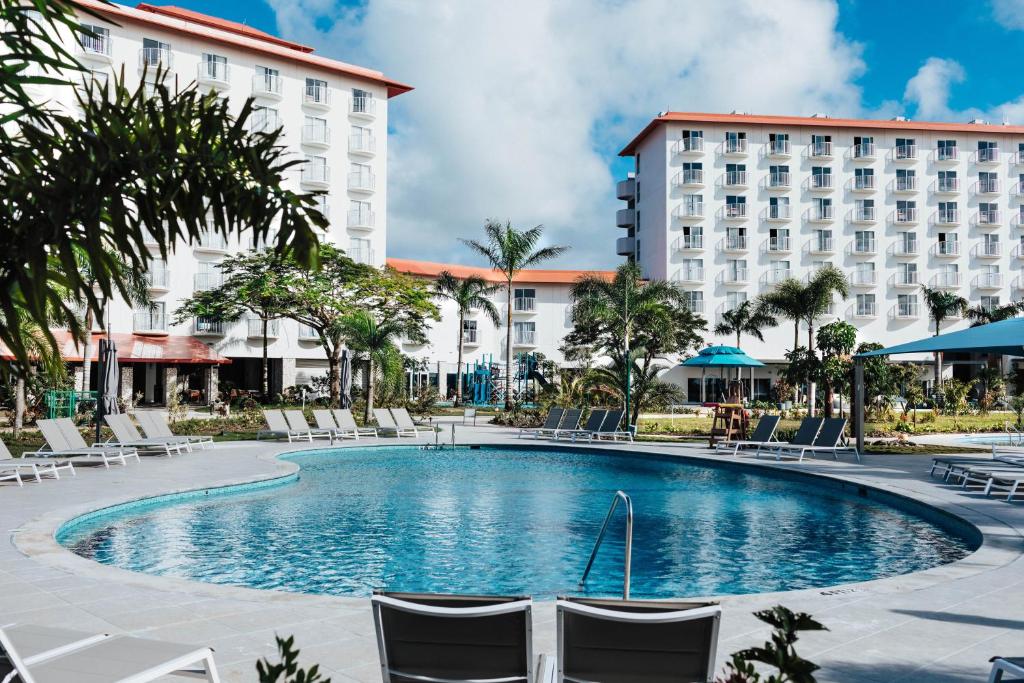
[
  {"x": 333, "y": 115},
  {"x": 728, "y": 205}
]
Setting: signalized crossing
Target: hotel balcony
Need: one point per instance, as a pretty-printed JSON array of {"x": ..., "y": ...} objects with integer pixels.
[
  {"x": 362, "y": 220},
  {"x": 947, "y": 280},
  {"x": 904, "y": 216},
  {"x": 739, "y": 276},
  {"x": 625, "y": 218},
  {"x": 778, "y": 149},
  {"x": 362, "y": 255},
  {"x": 688, "y": 211},
  {"x": 988, "y": 281},
  {"x": 363, "y": 144},
  {"x": 908, "y": 311},
  {"x": 863, "y": 183},
  {"x": 308, "y": 334},
  {"x": 204, "y": 282},
  {"x": 688, "y": 146},
  {"x": 524, "y": 304},
  {"x": 1017, "y": 159},
  {"x": 735, "y": 179},
  {"x": 945, "y": 155},
  {"x": 989, "y": 155},
  {"x": 733, "y": 212},
  {"x": 863, "y": 152},
  {"x": 95, "y": 47},
  {"x": 991, "y": 250},
  {"x": 1017, "y": 219},
  {"x": 266, "y": 85},
  {"x": 820, "y": 182},
  {"x": 819, "y": 150},
  {"x": 315, "y": 176},
  {"x": 688, "y": 243},
  {"x": 207, "y": 327},
  {"x": 904, "y": 153},
  {"x": 626, "y": 189},
  {"x": 1017, "y": 190},
  {"x": 773, "y": 277},
  {"x": 625, "y": 246},
  {"x": 211, "y": 241},
  {"x": 469, "y": 338},
  {"x": 947, "y": 249},
  {"x": 778, "y": 245},
  {"x": 316, "y": 136},
  {"x": 903, "y": 185},
  {"x": 1018, "y": 251},
  {"x": 905, "y": 248},
  {"x": 865, "y": 310},
  {"x": 317, "y": 96},
  {"x": 689, "y": 276},
  {"x": 733, "y": 244},
  {"x": 152, "y": 58},
  {"x": 361, "y": 181},
  {"x": 214, "y": 73},
  {"x": 778, "y": 181},
  {"x": 692, "y": 177},
  {"x": 862, "y": 215},
  {"x": 864, "y": 278},
  {"x": 778, "y": 213},
  {"x": 988, "y": 218},
  {"x": 736, "y": 147},
  {"x": 254, "y": 328},
  {"x": 947, "y": 217},
  {"x": 363, "y": 107},
  {"x": 905, "y": 279},
  {"x": 694, "y": 305},
  {"x": 821, "y": 246},
  {"x": 149, "y": 322},
  {"x": 946, "y": 186},
  {"x": 825, "y": 214},
  {"x": 524, "y": 338},
  {"x": 864, "y": 247},
  {"x": 986, "y": 187},
  {"x": 158, "y": 280}
]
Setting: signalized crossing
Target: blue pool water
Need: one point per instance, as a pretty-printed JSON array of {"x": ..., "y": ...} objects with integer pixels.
[{"x": 515, "y": 521}]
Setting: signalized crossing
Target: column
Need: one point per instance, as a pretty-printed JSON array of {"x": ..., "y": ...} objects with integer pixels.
[
  {"x": 170, "y": 382},
  {"x": 211, "y": 382},
  {"x": 79, "y": 373},
  {"x": 127, "y": 381},
  {"x": 288, "y": 373}
]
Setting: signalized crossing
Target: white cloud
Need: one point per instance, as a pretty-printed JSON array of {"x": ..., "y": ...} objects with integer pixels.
[
  {"x": 519, "y": 107},
  {"x": 1009, "y": 13},
  {"x": 929, "y": 89}
]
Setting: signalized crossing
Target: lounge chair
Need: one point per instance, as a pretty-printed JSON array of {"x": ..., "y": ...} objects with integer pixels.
[
  {"x": 404, "y": 421},
  {"x": 11, "y": 469},
  {"x": 125, "y": 434},
  {"x": 551, "y": 423},
  {"x": 1006, "y": 665},
  {"x": 348, "y": 423},
  {"x": 610, "y": 427},
  {"x": 636, "y": 640},
  {"x": 53, "y": 655},
  {"x": 805, "y": 435},
  {"x": 966, "y": 472},
  {"x": 155, "y": 426},
  {"x": 591, "y": 426},
  {"x": 325, "y": 420},
  {"x": 386, "y": 423},
  {"x": 951, "y": 464},
  {"x": 297, "y": 423},
  {"x": 64, "y": 442},
  {"x": 827, "y": 441},
  {"x": 570, "y": 422},
  {"x": 763, "y": 435},
  {"x": 277, "y": 425},
  {"x": 455, "y": 638}
]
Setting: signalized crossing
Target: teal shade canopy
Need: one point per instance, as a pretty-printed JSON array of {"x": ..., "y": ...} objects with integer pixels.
[
  {"x": 1005, "y": 338},
  {"x": 722, "y": 357}
]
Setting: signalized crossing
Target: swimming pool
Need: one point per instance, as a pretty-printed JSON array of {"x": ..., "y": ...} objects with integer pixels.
[{"x": 515, "y": 520}]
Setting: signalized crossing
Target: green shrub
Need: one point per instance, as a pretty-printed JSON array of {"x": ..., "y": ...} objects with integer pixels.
[
  {"x": 779, "y": 652},
  {"x": 287, "y": 670}
]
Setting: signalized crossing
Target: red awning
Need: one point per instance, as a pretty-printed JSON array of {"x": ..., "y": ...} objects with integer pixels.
[{"x": 136, "y": 348}]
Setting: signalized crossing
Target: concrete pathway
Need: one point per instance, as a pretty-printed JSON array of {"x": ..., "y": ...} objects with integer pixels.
[{"x": 938, "y": 625}]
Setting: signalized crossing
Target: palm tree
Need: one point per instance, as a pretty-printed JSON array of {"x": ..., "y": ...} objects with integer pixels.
[
  {"x": 467, "y": 294},
  {"x": 509, "y": 251},
  {"x": 364, "y": 334},
  {"x": 983, "y": 315},
  {"x": 941, "y": 305},
  {"x": 746, "y": 318},
  {"x": 786, "y": 300}
]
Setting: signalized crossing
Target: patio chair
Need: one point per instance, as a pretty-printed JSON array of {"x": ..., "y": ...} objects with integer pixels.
[
  {"x": 805, "y": 435},
  {"x": 405, "y": 422},
  {"x": 348, "y": 423},
  {"x": 592, "y": 424},
  {"x": 297, "y": 423},
  {"x": 277, "y": 425},
  {"x": 763, "y": 435},
  {"x": 610, "y": 427},
  {"x": 570, "y": 421},
  {"x": 422, "y": 637},
  {"x": 50, "y": 655},
  {"x": 828, "y": 440},
  {"x": 551, "y": 423},
  {"x": 1006, "y": 665},
  {"x": 386, "y": 423},
  {"x": 125, "y": 434},
  {"x": 325, "y": 420},
  {"x": 11, "y": 468},
  {"x": 966, "y": 472},
  {"x": 636, "y": 640},
  {"x": 63, "y": 443},
  {"x": 155, "y": 426}
]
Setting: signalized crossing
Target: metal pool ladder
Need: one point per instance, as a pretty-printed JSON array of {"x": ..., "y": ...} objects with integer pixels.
[{"x": 628, "y": 560}]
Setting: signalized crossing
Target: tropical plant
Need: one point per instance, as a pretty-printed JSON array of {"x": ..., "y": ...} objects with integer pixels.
[
  {"x": 44, "y": 363},
  {"x": 788, "y": 300},
  {"x": 941, "y": 305},
  {"x": 991, "y": 387},
  {"x": 376, "y": 342},
  {"x": 467, "y": 294},
  {"x": 746, "y": 318},
  {"x": 640, "y": 380},
  {"x": 628, "y": 316},
  {"x": 779, "y": 652},
  {"x": 836, "y": 341},
  {"x": 509, "y": 251},
  {"x": 954, "y": 396},
  {"x": 983, "y": 315},
  {"x": 913, "y": 395},
  {"x": 287, "y": 670},
  {"x": 132, "y": 168}
]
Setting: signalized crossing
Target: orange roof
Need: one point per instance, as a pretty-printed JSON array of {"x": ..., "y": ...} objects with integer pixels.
[
  {"x": 135, "y": 348},
  {"x": 816, "y": 122},
  {"x": 205, "y": 27},
  {"x": 545, "y": 277}
]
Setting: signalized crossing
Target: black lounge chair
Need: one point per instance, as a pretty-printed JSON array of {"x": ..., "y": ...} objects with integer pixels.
[
  {"x": 763, "y": 435},
  {"x": 610, "y": 427},
  {"x": 621, "y": 641},
  {"x": 828, "y": 440},
  {"x": 551, "y": 423},
  {"x": 805, "y": 435},
  {"x": 592, "y": 424}
]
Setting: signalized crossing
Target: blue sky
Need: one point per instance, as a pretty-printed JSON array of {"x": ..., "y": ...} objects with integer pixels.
[{"x": 520, "y": 108}]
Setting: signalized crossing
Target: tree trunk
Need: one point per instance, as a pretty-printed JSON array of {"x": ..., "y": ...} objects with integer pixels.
[
  {"x": 87, "y": 350},
  {"x": 369, "y": 389},
  {"x": 333, "y": 375},
  {"x": 458, "y": 367},
  {"x": 508, "y": 348},
  {"x": 811, "y": 384},
  {"x": 796, "y": 343},
  {"x": 19, "y": 407},
  {"x": 938, "y": 367},
  {"x": 264, "y": 370}
]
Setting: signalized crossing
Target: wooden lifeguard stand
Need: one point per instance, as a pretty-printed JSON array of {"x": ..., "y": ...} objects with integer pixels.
[{"x": 730, "y": 421}]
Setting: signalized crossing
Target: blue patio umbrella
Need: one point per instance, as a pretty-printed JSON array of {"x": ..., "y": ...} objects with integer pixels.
[{"x": 722, "y": 357}]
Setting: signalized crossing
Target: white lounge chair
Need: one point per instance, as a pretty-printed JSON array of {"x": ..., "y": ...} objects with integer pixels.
[
  {"x": 325, "y": 420},
  {"x": 277, "y": 425},
  {"x": 63, "y": 442},
  {"x": 125, "y": 434},
  {"x": 405, "y": 422},
  {"x": 1006, "y": 665},
  {"x": 11, "y": 468},
  {"x": 347, "y": 422},
  {"x": 155, "y": 426},
  {"x": 386, "y": 423},
  {"x": 297, "y": 423},
  {"x": 54, "y": 655}
]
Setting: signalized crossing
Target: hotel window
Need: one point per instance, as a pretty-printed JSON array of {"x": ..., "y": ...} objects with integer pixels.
[
  {"x": 735, "y": 238},
  {"x": 155, "y": 53},
  {"x": 990, "y": 302},
  {"x": 906, "y": 211},
  {"x": 864, "y": 210},
  {"x": 823, "y": 240},
  {"x": 822, "y": 208},
  {"x": 905, "y": 180},
  {"x": 863, "y": 146},
  {"x": 906, "y": 304},
  {"x": 946, "y": 150},
  {"x": 778, "y": 143},
  {"x": 865, "y": 304},
  {"x": 821, "y": 177},
  {"x": 264, "y": 120},
  {"x": 734, "y": 299},
  {"x": 693, "y": 268},
  {"x": 864, "y": 178},
  {"x": 97, "y": 43},
  {"x": 907, "y": 242},
  {"x": 735, "y": 142},
  {"x": 693, "y": 172},
  {"x": 947, "y": 181},
  {"x": 692, "y": 140},
  {"x": 779, "y": 270},
  {"x": 735, "y": 205},
  {"x": 693, "y": 204},
  {"x": 949, "y": 273},
  {"x": 214, "y": 67},
  {"x": 314, "y": 129},
  {"x": 988, "y": 151},
  {"x": 469, "y": 331},
  {"x": 988, "y": 212},
  {"x": 778, "y": 176},
  {"x": 990, "y": 245},
  {"x": 360, "y": 250},
  {"x": 988, "y": 182},
  {"x": 864, "y": 273},
  {"x": 735, "y": 174},
  {"x": 905, "y": 148},
  {"x": 778, "y": 239},
  {"x": 524, "y": 332},
  {"x": 362, "y": 101},
  {"x": 735, "y": 270},
  {"x": 821, "y": 145},
  {"x": 864, "y": 241},
  {"x": 778, "y": 207},
  {"x": 316, "y": 91},
  {"x": 947, "y": 212},
  {"x": 907, "y": 273},
  {"x": 693, "y": 237},
  {"x": 694, "y": 300},
  {"x": 266, "y": 80}
]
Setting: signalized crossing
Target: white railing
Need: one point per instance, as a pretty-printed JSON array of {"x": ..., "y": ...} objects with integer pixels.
[
  {"x": 904, "y": 152},
  {"x": 735, "y": 179},
  {"x": 908, "y": 215},
  {"x": 364, "y": 105},
  {"x": 148, "y": 321},
  {"x": 947, "y": 217},
  {"x": 316, "y": 174},
  {"x": 908, "y": 310},
  {"x": 778, "y": 148},
  {"x": 1017, "y": 189},
  {"x": 864, "y": 277},
  {"x": 158, "y": 279},
  {"x": 738, "y": 276},
  {"x": 364, "y": 181},
  {"x": 156, "y": 57},
  {"x": 905, "y": 184},
  {"x": 694, "y": 305},
  {"x": 947, "y": 279},
  {"x": 778, "y": 244},
  {"x": 986, "y": 187},
  {"x": 690, "y": 242},
  {"x": 821, "y": 181},
  {"x": 255, "y": 328},
  {"x": 906, "y": 278},
  {"x": 1017, "y": 219},
  {"x": 95, "y": 45},
  {"x": 989, "y": 280},
  {"x": 778, "y": 212},
  {"x": 316, "y": 135},
  {"x": 307, "y": 333},
  {"x": 947, "y": 248},
  {"x": 688, "y": 145},
  {"x": 988, "y": 217},
  {"x": 947, "y": 153},
  {"x": 689, "y": 210},
  {"x": 362, "y": 144},
  {"x": 735, "y": 210},
  {"x": 525, "y": 338},
  {"x": 774, "y": 277},
  {"x": 820, "y": 149},
  {"x": 735, "y": 146},
  {"x": 987, "y": 155},
  {"x": 358, "y": 218},
  {"x": 820, "y": 213},
  {"x": 908, "y": 248},
  {"x": 207, "y": 326},
  {"x": 264, "y": 121},
  {"x": 735, "y": 243},
  {"x": 864, "y": 246},
  {"x": 779, "y": 179},
  {"x": 211, "y": 240},
  {"x": 947, "y": 185},
  {"x": 989, "y": 250},
  {"x": 865, "y": 310},
  {"x": 524, "y": 304},
  {"x": 362, "y": 255},
  {"x": 266, "y": 84},
  {"x": 865, "y": 150},
  {"x": 317, "y": 94},
  {"x": 469, "y": 336},
  {"x": 821, "y": 245},
  {"x": 864, "y": 214},
  {"x": 218, "y": 72},
  {"x": 689, "y": 275},
  {"x": 204, "y": 282},
  {"x": 864, "y": 182},
  {"x": 689, "y": 176}
]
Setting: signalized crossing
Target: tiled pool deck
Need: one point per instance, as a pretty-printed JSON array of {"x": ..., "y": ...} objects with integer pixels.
[{"x": 938, "y": 625}]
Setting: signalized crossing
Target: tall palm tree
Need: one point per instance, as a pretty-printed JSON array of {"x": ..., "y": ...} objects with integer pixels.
[
  {"x": 364, "y": 334},
  {"x": 509, "y": 251},
  {"x": 746, "y": 318},
  {"x": 983, "y": 315},
  {"x": 786, "y": 300},
  {"x": 467, "y": 294},
  {"x": 941, "y": 305},
  {"x": 824, "y": 284}
]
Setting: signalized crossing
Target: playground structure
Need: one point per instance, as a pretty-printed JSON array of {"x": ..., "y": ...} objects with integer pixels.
[
  {"x": 485, "y": 381},
  {"x": 66, "y": 403}
]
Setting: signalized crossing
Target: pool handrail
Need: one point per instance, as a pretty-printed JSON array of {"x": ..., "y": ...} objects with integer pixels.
[{"x": 628, "y": 559}]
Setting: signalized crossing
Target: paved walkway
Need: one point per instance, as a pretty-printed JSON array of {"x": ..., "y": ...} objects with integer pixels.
[{"x": 938, "y": 625}]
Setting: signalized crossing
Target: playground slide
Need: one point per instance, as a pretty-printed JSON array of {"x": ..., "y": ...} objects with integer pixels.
[{"x": 533, "y": 374}]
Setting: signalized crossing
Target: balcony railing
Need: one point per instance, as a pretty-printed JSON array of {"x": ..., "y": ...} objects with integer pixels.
[
  {"x": 1017, "y": 219},
  {"x": 689, "y": 210},
  {"x": 734, "y": 243},
  {"x": 690, "y": 243},
  {"x": 149, "y": 322},
  {"x": 904, "y": 152},
  {"x": 469, "y": 337},
  {"x": 211, "y": 240},
  {"x": 908, "y": 215},
  {"x": 905, "y": 184},
  {"x": 946, "y": 280},
  {"x": 821, "y": 213},
  {"x": 778, "y": 244},
  {"x": 947, "y": 185},
  {"x": 907, "y": 311},
  {"x": 778, "y": 180},
  {"x": 364, "y": 106},
  {"x": 778, "y": 148},
  {"x": 364, "y": 182},
  {"x": 947, "y": 153},
  {"x": 358, "y": 218},
  {"x": 905, "y": 248},
  {"x": 989, "y": 250},
  {"x": 317, "y": 95},
  {"x": 155, "y": 57},
  {"x": 864, "y": 278},
  {"x": 524, "y": 304},
  {"x": 688, "y": 146},
  {"x": 213, "y": 72},
  {"x": 865, "y": 150},
  {"x": 864, "y": 182},
  {"x": 264, "y": 121},
  {"x": 692, "y": 274},
  {"x": 863, "y": 214},
  {"x": 987, "y": 155},
  {"x": 316, "y": 135},
  {"x": 1017, "y": 189},
  {"x": 694, "y": 305},
  {"x": 98, "y": 45},
  {"x": 734, "y": 211},
  {"x": 947, "y": 248},
  {"x": 255, "y": 328},
  {"x": 158, "y": 279},
  {"x": 525, "y": 338},
  {"x": 986, "y": 187},
  {"x": 266, "y": 84},
  {"x": 865, "y": 310},
  {"x": 362, "y": 255},
  {"x": 739, "y": 276},
  {"x": 988, "y": 217},
  {"x": 778, "y": 212},
  {"x": 820, "y": 150},
  {"x": 208, "y": 326},
  {"x": 947, "y": 217},
  {"x": 307, "y": 333},
  {"x": 362, "y": 144},
  {"x": 735, "y": 146},
  {"x": 625, "y": 218},
  {"x": 688, "y": 177},
  {"x": 821, "y": 181},
  {"x": 821, "y": 245},
  {"x": 864, "y": 246},
  {"x": 735, "y": 179},
  {"x": 905, "y": 279},
  {"x": 989, "y": 281},
  {"x": 319, "y": 174},
  {"x": 204, "y": 282},
  {"x": 774, "y": 277}
]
